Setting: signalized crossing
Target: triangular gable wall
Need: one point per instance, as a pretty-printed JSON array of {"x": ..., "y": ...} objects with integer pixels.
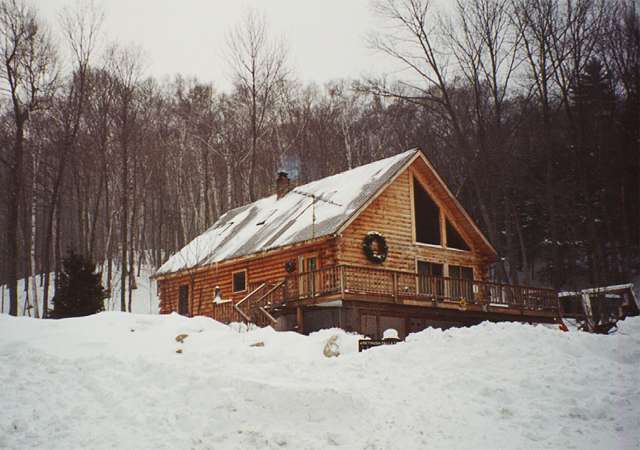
[
  {"x": 458, "y": 216},
  {"x": 420, "y": 168},
  {"x": 447, "y": 223}
]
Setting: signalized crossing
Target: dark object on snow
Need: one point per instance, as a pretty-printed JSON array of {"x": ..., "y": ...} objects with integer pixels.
[
  {"x": 79, "y": 290},
  {"x": 366, "y": 344},
  {"x": 598, "y": 310}
]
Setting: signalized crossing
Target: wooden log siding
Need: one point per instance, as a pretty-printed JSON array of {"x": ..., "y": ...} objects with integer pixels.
[
  {"x": 202, "y": 282},
  {"x": 391, "y": 214},
  {"x": 345, "y": 273}
]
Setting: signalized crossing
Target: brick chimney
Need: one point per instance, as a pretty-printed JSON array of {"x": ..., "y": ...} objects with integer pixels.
[{"x": 282, "y": 184}]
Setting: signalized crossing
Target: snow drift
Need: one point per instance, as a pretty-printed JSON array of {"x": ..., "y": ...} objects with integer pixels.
[{"x": 116, "y": 380}]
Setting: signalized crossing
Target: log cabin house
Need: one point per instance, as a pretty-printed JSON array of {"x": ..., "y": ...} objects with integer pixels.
[{"x": 384, "y": 245}]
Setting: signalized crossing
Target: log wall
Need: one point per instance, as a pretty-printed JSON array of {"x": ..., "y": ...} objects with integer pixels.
[
  {"x": 267, "y": 267},
  {"x": 391, "y": 214}
]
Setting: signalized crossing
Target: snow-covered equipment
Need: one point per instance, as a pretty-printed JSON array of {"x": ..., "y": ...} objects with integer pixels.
[{"x": 599, "y": 309}]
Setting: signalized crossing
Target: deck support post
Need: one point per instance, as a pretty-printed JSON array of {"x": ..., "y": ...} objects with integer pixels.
[{"x": 300, "y": 319}]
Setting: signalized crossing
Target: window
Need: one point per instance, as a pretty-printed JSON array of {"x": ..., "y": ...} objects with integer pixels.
[
  {"x": 427, "y": 216},
  {"x": 430, "y": 269},
  {"x": 463, "y": 272},
  {"x": 461, "y": 282},
  {"x": 454, "y": 240},
  {"x": 239, "y": 281},
  {"x": 183, "y": 300},
  {"x": 430, "y": 281},
  {"x": 307, "y": 266}
]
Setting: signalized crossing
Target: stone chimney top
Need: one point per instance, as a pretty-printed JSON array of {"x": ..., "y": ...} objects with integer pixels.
[{"x": 283, "y": 185}]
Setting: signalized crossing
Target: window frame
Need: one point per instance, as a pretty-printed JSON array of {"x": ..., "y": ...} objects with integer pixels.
[
  {"x": 439, "y": 284},
  {"x": 233, "y": 283},
  {"x": 443, "y": 218},
  {"x": 186, "y": 287},
  {"x": 414, "y": 222},
  {"x": 447, "y": 220},
  {"x": 455, "y": 290}
]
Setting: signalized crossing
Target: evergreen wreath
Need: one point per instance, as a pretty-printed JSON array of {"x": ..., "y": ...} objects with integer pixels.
[{"x": 380, "y": 255}]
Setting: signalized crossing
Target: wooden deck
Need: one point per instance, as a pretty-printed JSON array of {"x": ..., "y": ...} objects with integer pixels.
[{"x": 352, "y": 283}]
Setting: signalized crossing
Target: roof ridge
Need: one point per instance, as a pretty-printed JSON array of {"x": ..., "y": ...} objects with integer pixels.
[
  {"x": 243, "y": 231},
  {"x": 412, "y": 150}
]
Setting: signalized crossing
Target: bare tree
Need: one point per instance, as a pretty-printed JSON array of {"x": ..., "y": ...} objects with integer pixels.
[
  {"x": 28, "y": 76},
  {"x": 485, "y": 48},
  {"x": 259, "y": 67},
  {"x": 125, "y": 65},
  {"x": 81, "y": 29},
  {"x": 437, "y": 51},
  {"x": 542, "y": 28}
]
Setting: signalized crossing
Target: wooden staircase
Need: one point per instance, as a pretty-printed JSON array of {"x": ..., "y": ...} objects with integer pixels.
[{"x": 258, "y": 305}]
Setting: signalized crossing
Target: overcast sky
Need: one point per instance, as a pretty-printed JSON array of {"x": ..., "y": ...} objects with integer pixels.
[{"x": 326, "y": 38}]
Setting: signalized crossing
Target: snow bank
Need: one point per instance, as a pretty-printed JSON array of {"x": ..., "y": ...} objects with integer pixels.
[{"x": 115, "y": 380}]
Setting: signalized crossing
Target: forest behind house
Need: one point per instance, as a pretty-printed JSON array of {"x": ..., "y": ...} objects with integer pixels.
[{"x": 529, "y": 109}]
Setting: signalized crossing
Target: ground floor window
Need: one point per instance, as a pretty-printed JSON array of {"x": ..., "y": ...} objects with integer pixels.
[{"x": 239, "y": 281}]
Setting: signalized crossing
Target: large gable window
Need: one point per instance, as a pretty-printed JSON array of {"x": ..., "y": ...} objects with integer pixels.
[
  {"x": 454, "y": 240},
  {"x": 427, "y": 216},
  {"x": 239, "y": 281}
]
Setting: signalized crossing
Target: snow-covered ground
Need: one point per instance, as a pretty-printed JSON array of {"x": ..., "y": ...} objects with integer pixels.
[
  {"x": 115, "y": 380},
  {"x": 144, "y": 301}
]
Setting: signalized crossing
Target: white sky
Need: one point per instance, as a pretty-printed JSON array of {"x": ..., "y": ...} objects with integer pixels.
[{"x": 326, "y": 38}]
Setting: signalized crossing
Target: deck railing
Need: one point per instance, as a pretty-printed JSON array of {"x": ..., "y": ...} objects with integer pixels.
[
  {"x": 227, "y": 312},
  {"x": 399, "y": 286}
]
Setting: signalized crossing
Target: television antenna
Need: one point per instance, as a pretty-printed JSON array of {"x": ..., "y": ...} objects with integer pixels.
[{"x": 314, "y": 198}]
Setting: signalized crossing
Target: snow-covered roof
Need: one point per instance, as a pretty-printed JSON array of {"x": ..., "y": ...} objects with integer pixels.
[
  {"x": 609, "y": 292},
  {"x": 270, "y": 222},
  {"x": 597, "y": 290}
]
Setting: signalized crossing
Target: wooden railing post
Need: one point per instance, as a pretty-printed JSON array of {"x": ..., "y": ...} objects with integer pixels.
[
  {"x": 342, "y": 280},
  {"x": 284, "y": 290},
  {"x": 395, "y": 286}
]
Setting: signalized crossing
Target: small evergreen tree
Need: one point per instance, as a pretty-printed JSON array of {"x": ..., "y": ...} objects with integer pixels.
[{"x": 79, "y": 290}]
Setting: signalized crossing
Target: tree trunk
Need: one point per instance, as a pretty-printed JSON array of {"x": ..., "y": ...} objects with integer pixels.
[
  {"x": 34, "y": 284},
  {"x": 13, "y": 206},
  {"x": 124, "y": 181}
]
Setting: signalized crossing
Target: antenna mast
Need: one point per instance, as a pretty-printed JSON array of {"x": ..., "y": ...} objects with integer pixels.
[{"x": 314, "y": 198}]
